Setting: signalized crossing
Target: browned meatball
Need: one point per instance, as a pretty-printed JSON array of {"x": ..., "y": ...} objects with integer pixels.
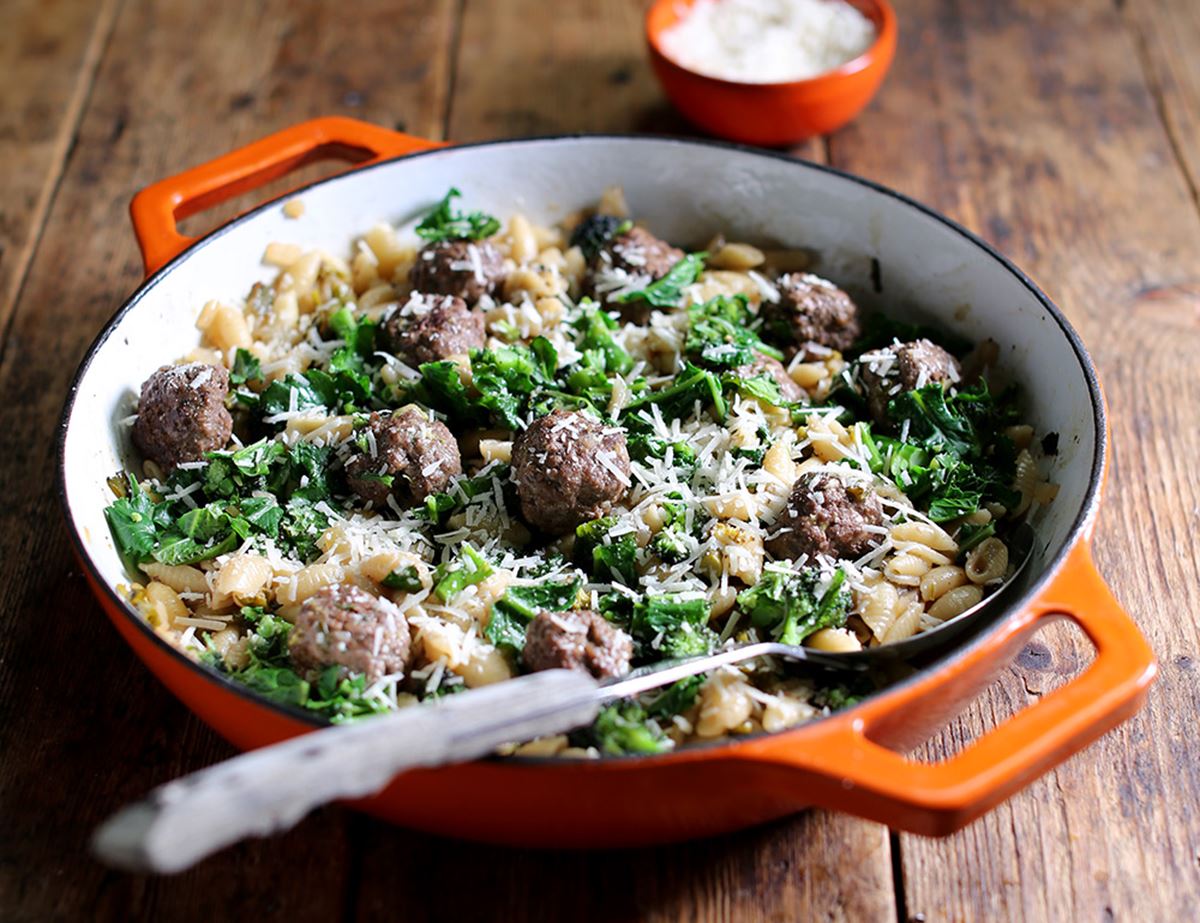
[
  {"x": 431, "y": 327},
  {"x": 182, "y": 415},
  {"x": 887, "y": 372},
  {"x": 825, "y": 515},
  {"x": 811, "y": 310},
  {"x": 468, "y": 269},
  {"x": 577, "y": 640},
  {"x": 346, "y": 626},
  {"x": 407, "y": 455},
  {"x": 568, "y": 469},
  {"x": 640, "y": 253},
  {"x": 631, "y": 261},
  {"x": 773, "y": 367}
]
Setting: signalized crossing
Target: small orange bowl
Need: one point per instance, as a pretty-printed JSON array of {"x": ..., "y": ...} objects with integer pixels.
[{"x": 773, "y": 114}]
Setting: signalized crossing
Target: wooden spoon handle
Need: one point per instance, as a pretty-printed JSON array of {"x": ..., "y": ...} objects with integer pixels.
[{"x": 268, "y": 790}]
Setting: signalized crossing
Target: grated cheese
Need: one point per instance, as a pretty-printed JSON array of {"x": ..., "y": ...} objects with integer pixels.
[{"x": 768, "y": 41}]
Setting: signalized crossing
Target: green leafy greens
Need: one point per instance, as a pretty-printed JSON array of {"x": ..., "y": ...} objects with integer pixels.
[
  {"x": 955, "y": 456},
  {"x": 668, "y": 291},
  {"x": 233, "y": 496},
  {"x": 721, "y": 335},
  {"x": 519, "y": 605},
  {"x": 444, "y": 223}
]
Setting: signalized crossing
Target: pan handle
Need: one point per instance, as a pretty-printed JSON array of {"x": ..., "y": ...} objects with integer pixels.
[
  {"x": 157, "y": 208},
  {"x": 866, "y": 778}
]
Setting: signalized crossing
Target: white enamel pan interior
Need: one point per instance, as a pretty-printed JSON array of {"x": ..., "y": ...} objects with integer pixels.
[{"x": 888, "y": 252}]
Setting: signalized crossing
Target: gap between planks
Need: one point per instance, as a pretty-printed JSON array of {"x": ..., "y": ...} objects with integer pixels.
[
  {"x": 64, "y": 143},
  {"x": 1154, "y": 84}
]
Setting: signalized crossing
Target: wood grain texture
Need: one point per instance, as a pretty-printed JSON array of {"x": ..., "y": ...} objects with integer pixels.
[
  {"x": 525, "y": 67},
  {"x": 48, "y": 56},
  {"x": 1062, "y": 131},
  {"x": 1165, "y": 32},
  {"x": 1039, "y": 130},
  {"x": 522, "y": 70},
  {"x": 816, "y": 867},
  {"x": 179, "y": 82}
]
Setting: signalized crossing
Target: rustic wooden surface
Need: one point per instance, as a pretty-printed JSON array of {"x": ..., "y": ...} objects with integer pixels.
[{"x": 1065, "y": 131}]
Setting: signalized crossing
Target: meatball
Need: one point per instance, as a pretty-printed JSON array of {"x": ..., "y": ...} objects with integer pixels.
[
  {"x": 640, "y": 253},
  {"x": 811, "y": 310},
  {"x": 577, "y": 640},
  {"x": 631, "y": 261},
  {"x": 774, "y": 368},
  {"x": 431, "y": 327},
  {"x": 568, "y": 469},
  {"x": 467, "y": 269},
  {"x": 407, "y": 455},
  {"x": 182, "y": 415},
  {"x": 887, "y": 372},
  {"x": 346, "y": 626},
  {"x": 826, "y": 516}
]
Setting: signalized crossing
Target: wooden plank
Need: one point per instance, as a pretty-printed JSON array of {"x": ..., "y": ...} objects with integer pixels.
[
  {"x": 1167, "y": 33},
  {"x": 524, "y": 69},
  {"x": 83, "y": 727},
  {"x": 584, "y": 69},
  {"x": 1039, "y": 131},
  {"x": 48, "y": 55},
  {"x": 815, "y": 866}
]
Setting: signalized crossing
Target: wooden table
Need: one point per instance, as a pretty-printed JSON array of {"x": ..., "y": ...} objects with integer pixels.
[{"x": 1065, "y": 131}]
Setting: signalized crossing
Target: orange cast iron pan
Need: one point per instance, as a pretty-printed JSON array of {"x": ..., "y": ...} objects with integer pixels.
[{"x": 852, "y": 760}]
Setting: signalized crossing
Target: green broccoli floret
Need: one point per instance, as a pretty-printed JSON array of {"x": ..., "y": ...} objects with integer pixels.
[
  {"x": 673, "y": 627},
  {"x": 607, "y": 556},
  {"x": 787, "y": 603},
  {"x": 622, "y": 728}
]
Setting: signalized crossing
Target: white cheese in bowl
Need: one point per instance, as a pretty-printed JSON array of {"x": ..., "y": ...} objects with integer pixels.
[{"x": 767, "y": 41}]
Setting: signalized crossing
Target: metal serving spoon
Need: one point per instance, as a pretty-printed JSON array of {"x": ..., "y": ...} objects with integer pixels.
[{"x": 268, "y": 790}]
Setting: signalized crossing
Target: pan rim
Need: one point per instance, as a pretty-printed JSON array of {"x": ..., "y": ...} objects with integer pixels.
[{"x": 1077, "y": 532}]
